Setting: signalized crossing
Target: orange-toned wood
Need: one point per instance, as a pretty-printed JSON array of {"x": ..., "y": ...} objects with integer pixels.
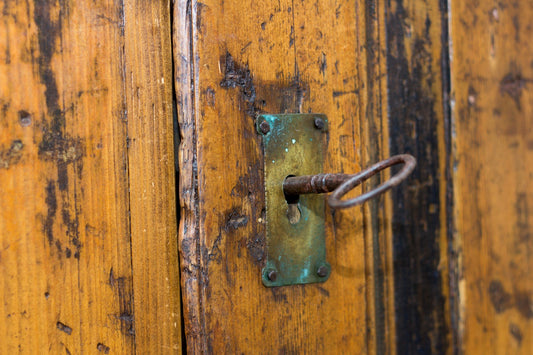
[
  {"x": 149, "y": 98},
  {"x": 373, "y": 120},
  {"x": 78, "y": 272},
  {"x": 493, "y": 104},
  {"x": 237, "y": 59}
]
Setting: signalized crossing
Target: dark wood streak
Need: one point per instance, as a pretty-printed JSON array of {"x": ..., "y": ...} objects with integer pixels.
[
  {"x": 56, "y": 146},
  {"x": 420, "y": 303},
  {"x": 123, "y": 288},
  {"x": 374, "y": 154}
]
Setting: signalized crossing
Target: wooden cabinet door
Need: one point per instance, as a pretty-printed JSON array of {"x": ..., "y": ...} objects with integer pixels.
[
  {"x": 439, "y": 265},
  {"x": 234, "y": 61}
]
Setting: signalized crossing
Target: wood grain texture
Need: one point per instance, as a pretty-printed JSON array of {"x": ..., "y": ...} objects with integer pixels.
[
  {"x": 235, "y": 60},
  {"x": 67, "y": 233},
  {"x": 373, "y": 119},
  {"x": 492, "y": 92},
  {"x": 148, "y": 73},
  {"x": 417, "y": 58}
]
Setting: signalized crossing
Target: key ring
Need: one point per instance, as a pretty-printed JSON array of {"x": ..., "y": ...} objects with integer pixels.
[{"x": 341, "y": 184}]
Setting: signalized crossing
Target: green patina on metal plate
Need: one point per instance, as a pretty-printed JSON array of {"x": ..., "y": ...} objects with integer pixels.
[{"x": 295, "y": 252}]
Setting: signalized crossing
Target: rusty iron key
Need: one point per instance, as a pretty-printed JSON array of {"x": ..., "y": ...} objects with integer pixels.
[{"x": 341, "y": 184}]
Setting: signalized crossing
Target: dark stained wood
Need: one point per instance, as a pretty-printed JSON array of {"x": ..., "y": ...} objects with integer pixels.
[
  {"x": 417, "y": 58},
  {"x": 377, "y": 214}
]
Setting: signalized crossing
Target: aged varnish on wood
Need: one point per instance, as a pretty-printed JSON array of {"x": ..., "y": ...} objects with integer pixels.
[
  {"x": 101, "y": 101},
  {"x": 279, "y": 56},
  {"x": 492, "y": 96},
  {"x": 88, "y": 255}
]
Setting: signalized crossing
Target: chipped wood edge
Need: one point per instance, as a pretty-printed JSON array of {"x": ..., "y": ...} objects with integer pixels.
[{"x": 187, "y": 100}]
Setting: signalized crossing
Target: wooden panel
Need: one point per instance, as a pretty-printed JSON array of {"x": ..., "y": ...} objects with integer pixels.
[
  {"x": 237, "y": 59},
  {"x": 372, "y": 104},
  {"x": 65, "y": 232},
  {"x": 492, "y": 91},
  {"x": 417, "y": 39},
  {"x": 148, "y": 71}
]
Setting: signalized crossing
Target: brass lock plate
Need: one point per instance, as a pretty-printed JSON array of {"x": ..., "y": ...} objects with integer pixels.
[{"x": 294, "y": 144}]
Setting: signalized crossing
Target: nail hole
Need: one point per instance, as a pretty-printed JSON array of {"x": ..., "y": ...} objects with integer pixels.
[{"x": 24, "y": 118}]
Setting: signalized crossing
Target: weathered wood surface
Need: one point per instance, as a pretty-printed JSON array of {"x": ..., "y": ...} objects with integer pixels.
[
  {"x": 237, "y": 59},
  {"x": 88, "y": 254},
  {"x": 87, "y": 218},
  {"x": 417, "y": 72},
  {"x": 492, "y": 93},
  {"x": 154, "y": 226}
]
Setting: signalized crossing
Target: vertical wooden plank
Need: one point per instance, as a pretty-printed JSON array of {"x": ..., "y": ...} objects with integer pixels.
[
  {"x": 148, "y": 73},
  {"x": 492, "y": 99},
  {"x": 186, "y": 64},
  {"x": 280, "y": 56},
  {"x": 70, "y": 102},
  {"x": 64, "y": 220},
  {"x": 372, "y": 72},
  {"x": 417, "y": 57}
]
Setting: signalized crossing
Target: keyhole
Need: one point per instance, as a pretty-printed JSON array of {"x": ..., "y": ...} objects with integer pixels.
[{"x": 293, "y": 210}]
